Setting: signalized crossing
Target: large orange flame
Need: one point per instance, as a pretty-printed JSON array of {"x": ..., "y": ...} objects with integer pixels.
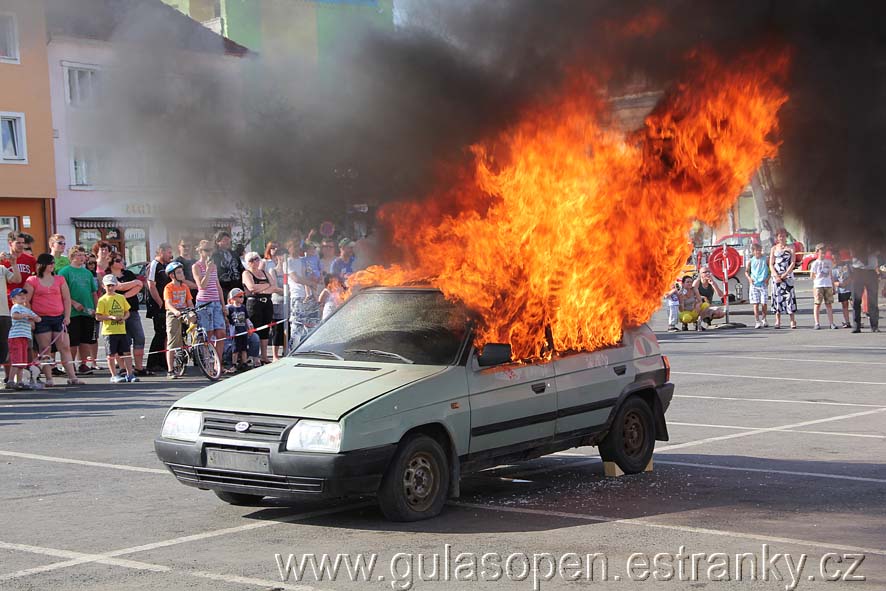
[{"x": 567, "y": 223}]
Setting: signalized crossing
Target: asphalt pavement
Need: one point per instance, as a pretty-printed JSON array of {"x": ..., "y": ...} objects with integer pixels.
[{"x": 774, "y": 478}]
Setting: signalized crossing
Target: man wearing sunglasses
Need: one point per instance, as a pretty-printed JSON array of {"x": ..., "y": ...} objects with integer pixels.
[
  {"x": 57, "y": 245},
  {"x": 84, "y": 298}
]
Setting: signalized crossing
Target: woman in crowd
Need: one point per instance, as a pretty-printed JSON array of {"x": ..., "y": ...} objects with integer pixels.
[
  {"x": 274, "y": 268},
  {"x": 102, "y": 251},
  {"x": 50, "y": 299},
  {"x": 129, "y": 286},
  {"x": 781, "y": 265},
  {"x": 210, "y": 313},
  {"x": 258, "y": 299}
]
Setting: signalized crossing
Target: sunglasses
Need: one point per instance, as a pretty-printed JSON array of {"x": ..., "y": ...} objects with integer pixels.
[
  {"x": 253, "y": 259},
  {"x": 116, "y": 260}
]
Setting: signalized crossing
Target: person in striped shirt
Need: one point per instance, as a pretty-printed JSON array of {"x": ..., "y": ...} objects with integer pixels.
[{"x": 209, "y": 296}]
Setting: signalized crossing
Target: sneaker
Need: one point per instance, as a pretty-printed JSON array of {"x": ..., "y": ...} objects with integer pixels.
[
  {"x": 847, "y": 325},
  {"x": 765, "y": 323},
  {"x": 817, "y": 326},
  {"x": 171, "y": 375},
  {"x": 758, "y": 324},
  {"x": 875, "y": 329},
  {"x": 685, "y": 327},
  {"x": 117, "y": 379},
  {"x": 673, "y": 329},
  {"x": 834, "y": 327},
  {"x": 84, "y": 370},
  {"x": 132, "y": 378},
  {"x": 856, "y": 330},
  {"x": 9, "y": 386}
]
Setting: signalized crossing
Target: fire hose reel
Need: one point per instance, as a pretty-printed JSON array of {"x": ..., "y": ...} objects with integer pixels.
[{"x": 732, "y": 260}]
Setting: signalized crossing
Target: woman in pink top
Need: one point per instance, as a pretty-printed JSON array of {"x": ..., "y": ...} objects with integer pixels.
[
  {"x": 49, "y": 297},
  {"x": 209, "y": 297}
]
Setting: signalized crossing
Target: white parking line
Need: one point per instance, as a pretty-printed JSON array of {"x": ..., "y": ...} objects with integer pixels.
[
  {"x": 16, "y": 454},
  {"x": 768, "y": 429},
  {"x": 790, "y": 359},
  {"x": 778, "y": 378},
  {"x": 681, "y": 528},
  {"x": 843, "y": 347},
  {"x": 780, "y": 401},
  {"x": 76, "y": 558},
  {"x": 714, "y": 439},
  {"x": 111, "y": 557},
  {"x": 834, "y": 433}
]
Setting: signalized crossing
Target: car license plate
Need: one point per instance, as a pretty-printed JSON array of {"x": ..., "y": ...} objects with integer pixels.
[{"x": 237, "y": 460}]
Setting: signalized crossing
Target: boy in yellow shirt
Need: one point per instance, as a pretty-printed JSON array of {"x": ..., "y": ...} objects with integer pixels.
[{"x": 113, "y": 310}]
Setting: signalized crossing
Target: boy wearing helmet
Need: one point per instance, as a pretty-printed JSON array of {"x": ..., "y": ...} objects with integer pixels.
[{"x": 177, "y": 297}]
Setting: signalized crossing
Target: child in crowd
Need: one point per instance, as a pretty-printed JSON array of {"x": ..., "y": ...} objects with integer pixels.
[
  {"x": 843, "y": 289},
  {"x": 238, "y": 324},
  {"x": 673, "y": 298},
  {"x": 690, "y": 304},
  {"x": 757, "y": 272},
  {"x": 822, "y": 271},
  {"x": 178, "y": 299},
  {"x": 23, "y": 319},
  {"x": 112, "y": 311},
  {"x": 332, "y": 295}
]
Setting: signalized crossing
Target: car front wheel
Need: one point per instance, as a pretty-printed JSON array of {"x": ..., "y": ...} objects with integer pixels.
[
  {"x": 416, "y": 482},
  {"x": 631, "y": 438},
  {"x": 232, "y": 498}
]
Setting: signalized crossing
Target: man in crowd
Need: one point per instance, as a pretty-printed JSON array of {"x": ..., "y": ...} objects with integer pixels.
[
  {"x": 84, "y": 298},
  {"x": 230, "y": 268},
  {"x": 343, "y": 265},
  {"x": 185, "y": 251},
  {"x": 157, "y": 280},
  {"x": 27, "y": 264},
  {"x": 57, "y": 245},
  {"x": 865, "y": 278}
]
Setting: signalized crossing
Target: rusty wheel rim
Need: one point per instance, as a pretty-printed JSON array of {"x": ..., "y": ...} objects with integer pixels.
[
  {"x": 420, "y": 481},
  {"x": 634, "y": 435}
]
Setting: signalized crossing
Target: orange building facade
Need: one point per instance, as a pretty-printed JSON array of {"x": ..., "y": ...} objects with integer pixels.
[{"x": 27, "y": 167}]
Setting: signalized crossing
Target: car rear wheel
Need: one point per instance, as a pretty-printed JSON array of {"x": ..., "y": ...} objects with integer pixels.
[
  {"x": 631, "y": 438},
  {"x": 416, "y": 482},
  {"x": 238, "y": 498}
]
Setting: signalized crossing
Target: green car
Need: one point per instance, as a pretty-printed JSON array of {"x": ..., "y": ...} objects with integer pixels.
[{"x": 389, "y": 397}]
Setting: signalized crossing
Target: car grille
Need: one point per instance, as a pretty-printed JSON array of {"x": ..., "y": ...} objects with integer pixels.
[
  {"x": 260, "y": 428},
  {"x": 269, "y": 482}
]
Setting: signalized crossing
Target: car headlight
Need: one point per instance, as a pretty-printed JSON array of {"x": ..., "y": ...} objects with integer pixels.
[
  {"x": 183, "y": 425},
  {"x": 308, "y": 435}
]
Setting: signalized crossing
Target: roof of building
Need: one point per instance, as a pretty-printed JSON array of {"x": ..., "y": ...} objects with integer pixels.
[{"x": 150, "y": 22}]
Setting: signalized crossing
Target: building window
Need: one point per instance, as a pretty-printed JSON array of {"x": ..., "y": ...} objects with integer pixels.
[
  {"x": 12, "y": 138},
  {"x": 84, "y": 166},
  {"x": 82, "y": 86},
  {"x": 8, "y": 39}
]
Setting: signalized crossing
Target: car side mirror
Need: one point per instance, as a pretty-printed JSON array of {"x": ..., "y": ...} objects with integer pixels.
[{"x": 494, "y": 354}]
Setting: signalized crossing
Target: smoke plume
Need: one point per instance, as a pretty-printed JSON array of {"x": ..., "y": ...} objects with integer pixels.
[{"x": 391, "y": 114}]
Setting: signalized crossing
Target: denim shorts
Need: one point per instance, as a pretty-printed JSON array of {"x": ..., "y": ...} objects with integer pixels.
[
  {"x": 50, "y": 324},
  {"x": 210, "y": 316}
]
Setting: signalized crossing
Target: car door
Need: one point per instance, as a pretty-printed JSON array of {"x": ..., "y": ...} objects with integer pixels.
[
  {"x": 513, "y": 406},
  {"x": 588, "y": 386}
]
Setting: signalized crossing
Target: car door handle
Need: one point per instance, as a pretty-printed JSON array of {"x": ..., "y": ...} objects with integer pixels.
[
  {"x": 539, "y": 388},
  {"x": 620, "y": 370}
]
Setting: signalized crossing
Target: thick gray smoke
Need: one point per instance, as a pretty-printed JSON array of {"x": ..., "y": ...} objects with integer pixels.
[{"x": 390, "y": 115}]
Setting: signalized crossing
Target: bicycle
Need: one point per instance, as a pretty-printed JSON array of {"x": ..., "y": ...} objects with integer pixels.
[{"x": 198, "y": 347}]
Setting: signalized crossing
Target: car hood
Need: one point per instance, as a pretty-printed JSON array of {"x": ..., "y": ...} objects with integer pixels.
[{"x": 305, "y": 387}]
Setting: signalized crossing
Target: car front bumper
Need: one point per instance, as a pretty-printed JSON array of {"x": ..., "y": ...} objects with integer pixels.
[{"x": 288, "y": 474}]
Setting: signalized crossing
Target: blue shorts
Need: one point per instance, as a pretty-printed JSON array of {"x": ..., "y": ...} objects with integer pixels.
[
  {"x": 50, "y": 324},
  {"x": 210, "y": 317}
]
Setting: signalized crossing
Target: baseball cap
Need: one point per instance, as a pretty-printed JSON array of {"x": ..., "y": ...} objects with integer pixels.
[
  {"x": 235, "y": 292},
  {"x": 16, "y": 291},
  {"x": 109, "y": 279},
  {"x": 346, "y": 242}
]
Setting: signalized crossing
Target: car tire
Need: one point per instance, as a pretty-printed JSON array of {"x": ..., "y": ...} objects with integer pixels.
[
  {"x": 416, "y": 484},
  {"x": 233, "y": 498},
  {"x": 631, "y": 438}
]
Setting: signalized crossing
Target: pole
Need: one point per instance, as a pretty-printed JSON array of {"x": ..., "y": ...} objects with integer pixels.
[
  {"x": 726, "y": 282},
  {"x": 286, "y": 310}
]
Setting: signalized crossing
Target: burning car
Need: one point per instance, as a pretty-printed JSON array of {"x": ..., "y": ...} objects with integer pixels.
[{"x": 392, "y": 397}]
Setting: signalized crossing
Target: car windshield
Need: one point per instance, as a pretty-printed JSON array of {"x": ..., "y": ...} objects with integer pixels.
[{"x": 391, "y": 326}]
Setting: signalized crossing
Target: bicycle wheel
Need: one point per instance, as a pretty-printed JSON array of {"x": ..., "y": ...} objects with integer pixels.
[{"x": 206, "y": 358}]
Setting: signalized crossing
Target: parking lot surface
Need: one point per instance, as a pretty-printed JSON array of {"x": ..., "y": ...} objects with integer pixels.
[{"x": 776, "y": 455}]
